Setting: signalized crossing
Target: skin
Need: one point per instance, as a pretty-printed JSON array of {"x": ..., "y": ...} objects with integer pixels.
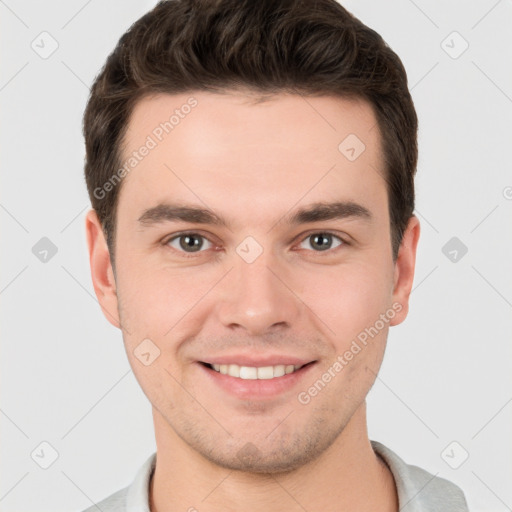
[{"x": 253, "y": 163}]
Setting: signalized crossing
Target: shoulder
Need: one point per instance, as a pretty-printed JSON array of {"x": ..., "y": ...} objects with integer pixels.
[
  {"x": 417, "y": 489},
  {"x": 114, "y": 503},
  {"x": 134, "y": 497}
]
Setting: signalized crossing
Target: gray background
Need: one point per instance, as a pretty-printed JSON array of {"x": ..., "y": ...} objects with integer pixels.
[{"x": 65, "y": 378}]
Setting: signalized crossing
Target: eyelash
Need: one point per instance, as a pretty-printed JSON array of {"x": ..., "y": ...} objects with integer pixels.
[{"x": 197, "y": 254}]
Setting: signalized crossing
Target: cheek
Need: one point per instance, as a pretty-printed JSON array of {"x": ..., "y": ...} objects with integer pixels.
[
  {"x": 154, "y": 300},
  {"x": 347, "y": 298},
  {"x": 154, "y": 307}
]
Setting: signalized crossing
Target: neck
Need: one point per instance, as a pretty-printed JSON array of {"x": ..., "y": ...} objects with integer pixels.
[{"x": 347, "y": 476}]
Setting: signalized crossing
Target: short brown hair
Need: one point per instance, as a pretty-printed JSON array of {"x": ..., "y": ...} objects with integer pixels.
[{"x": 267, "y": 46}]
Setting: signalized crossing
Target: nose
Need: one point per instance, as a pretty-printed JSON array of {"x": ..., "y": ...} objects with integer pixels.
[{"x": 258, "y": 297}]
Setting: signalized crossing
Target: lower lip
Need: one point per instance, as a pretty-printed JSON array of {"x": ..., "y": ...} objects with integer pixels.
[{"x": 254, "y": 389}]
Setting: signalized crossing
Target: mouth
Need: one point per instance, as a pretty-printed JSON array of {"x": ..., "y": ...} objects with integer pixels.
[
  {"x": 253, "y": 372},
  {"x": 265, "y": 382}
]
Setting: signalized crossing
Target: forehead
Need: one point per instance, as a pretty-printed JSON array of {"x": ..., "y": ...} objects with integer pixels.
[{"x": 228, "y": 149}]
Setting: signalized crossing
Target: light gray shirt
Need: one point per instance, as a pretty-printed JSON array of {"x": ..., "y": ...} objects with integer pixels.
[{"x": 417, "y": 489}]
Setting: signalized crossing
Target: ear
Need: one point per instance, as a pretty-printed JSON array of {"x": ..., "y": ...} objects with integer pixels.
[
  {"x": 404, "y": 270},
  {"x": 101, "y": 268}
]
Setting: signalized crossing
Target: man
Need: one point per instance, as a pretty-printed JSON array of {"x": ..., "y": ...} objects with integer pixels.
[{"x": 251, "y": 171}]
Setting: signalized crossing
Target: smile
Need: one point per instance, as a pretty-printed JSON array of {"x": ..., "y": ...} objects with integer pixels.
[
  {"x": 247, "y": 378},
  {"x": 253, "y": 373}
]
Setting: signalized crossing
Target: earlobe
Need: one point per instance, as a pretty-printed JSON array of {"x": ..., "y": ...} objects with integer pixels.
[
  {"x": 101, "y": 268},
  {"x": 404, "y": 269}
]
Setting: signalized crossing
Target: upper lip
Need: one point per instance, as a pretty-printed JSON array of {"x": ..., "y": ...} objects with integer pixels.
[{"x": 257, "y": 361}]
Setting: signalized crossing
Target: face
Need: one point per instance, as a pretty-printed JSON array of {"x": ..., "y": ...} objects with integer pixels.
[{"x": 255, "y": 326}]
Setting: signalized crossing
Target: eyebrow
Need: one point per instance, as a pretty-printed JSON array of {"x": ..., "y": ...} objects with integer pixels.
[{"x": 316, "y": 212}]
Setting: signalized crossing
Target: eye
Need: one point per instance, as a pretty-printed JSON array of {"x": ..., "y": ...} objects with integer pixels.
[
  {"x": 189, "y": 242},
  {"x": 323, "y": 241}
]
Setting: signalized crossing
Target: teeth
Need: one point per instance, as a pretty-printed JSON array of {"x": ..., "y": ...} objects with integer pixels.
[
  {"x": 265, "y": 372},
  {"x": 247, "y": 372},
  {"x": 234, "y": 370},
  {"x": 279, "y": 370},
  {"x": 252, "y": 373}
]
